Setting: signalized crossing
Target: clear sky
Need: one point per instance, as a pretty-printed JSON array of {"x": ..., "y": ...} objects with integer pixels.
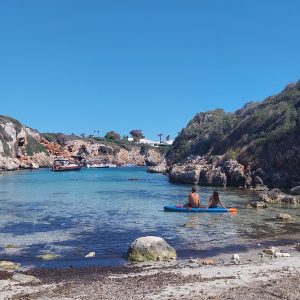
[{"x": 79, "y": 66}]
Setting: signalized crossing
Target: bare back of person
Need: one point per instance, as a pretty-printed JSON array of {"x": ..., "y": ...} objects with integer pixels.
[{"x": 194, "y": 200}]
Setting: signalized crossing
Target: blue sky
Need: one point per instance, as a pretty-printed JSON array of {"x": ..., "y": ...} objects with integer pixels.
[{"x": 79, "y": 66}]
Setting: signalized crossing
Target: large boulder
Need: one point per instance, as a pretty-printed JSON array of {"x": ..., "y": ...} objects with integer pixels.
[
  {"x": 150, "y": 248},
  {"x": 152, "y": 157},
  {"x": 236, "y": 178},
  {"x": 160, "y": 168},
  {"x": 184, "y": 174},
  {"x": 9, "y": 164},
  {"x": 234, "y": 172},
  {"x": 295, "y": 190},
  {"x": 213, "y": 177}
]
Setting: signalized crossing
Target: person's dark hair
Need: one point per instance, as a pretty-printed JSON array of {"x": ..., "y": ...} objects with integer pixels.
[
  {"x": 194, "y": 190},
  {"x": 216, "y": 196}
]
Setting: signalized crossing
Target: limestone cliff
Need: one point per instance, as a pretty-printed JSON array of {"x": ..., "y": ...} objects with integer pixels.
[{"x": 23, "y": 147}]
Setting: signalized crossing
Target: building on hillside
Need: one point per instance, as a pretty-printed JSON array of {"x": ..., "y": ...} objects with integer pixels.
[{"x": 152, "y": 143}]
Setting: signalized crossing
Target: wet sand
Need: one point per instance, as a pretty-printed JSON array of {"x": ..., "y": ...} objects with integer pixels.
[{"x": 253, "y": 278}]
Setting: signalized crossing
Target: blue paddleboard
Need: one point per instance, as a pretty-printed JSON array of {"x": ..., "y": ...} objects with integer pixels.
[{"x": 173, "y": 207}]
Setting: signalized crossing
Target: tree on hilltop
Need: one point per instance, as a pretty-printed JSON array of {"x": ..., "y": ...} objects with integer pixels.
[
  {"x": 137, "y": 134},
  {"x": 112, "y": 136}
]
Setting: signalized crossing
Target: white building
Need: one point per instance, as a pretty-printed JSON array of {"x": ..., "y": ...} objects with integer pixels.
[{"x": 152, "y": 143}]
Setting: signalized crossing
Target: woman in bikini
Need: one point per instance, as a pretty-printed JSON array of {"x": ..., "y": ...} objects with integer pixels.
[{"x": 215, "y": 200}]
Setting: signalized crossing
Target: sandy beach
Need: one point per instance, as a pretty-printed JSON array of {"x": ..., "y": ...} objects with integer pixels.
[{"x": 253, "y": 277}]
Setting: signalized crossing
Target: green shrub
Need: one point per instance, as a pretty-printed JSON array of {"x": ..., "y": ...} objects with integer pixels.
[{"x": 34, "y": 146}]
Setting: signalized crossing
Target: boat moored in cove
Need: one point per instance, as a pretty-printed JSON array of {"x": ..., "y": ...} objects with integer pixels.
[{"x": 61, "y": 165}]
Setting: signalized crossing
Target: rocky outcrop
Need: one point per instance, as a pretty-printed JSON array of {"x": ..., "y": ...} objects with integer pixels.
[
  {"x": 185, "y": 174},
  {"x": 199, "y": 170},
  {"x": 272, "y": 196},
  {"x": 9, "y": 164},
  {"x": 265, "y": 134},
  {"x": 20, "y": 146},
  {"x": 160, "y": 168},
  {"x": 150, "y": 248},
  {"x": 277, "y": 196},
  {"x": 214, "y": 176}
]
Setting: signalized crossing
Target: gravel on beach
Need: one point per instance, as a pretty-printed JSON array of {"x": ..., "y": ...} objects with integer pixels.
[{"x": 276, "y": 278}]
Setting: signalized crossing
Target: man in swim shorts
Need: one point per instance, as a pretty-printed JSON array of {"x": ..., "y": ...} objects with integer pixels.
[{"x": 194, "y": 200}]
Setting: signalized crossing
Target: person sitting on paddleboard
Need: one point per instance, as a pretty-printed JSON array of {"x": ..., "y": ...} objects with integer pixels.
[
  {"x": 194, "y": 199},
  {"x": 214, "y": 200}
]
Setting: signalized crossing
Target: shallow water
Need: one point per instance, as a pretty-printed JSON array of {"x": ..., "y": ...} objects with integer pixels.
[{"x": 100, "y": 210}]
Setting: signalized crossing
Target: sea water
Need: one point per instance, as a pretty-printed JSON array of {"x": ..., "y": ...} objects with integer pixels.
[{"x": 104, "y": 211}]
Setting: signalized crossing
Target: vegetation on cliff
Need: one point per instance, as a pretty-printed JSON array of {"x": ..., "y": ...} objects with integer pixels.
[{"x": 265, "y": 133}]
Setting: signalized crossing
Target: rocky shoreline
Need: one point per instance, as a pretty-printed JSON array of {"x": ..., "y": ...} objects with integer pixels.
[{"x": 250, "y": 276}]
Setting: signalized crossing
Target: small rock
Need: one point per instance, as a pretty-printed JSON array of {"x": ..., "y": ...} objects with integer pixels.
[
  {"x": 282, "y": 254},
  {"x": 258, "y": 204},
  {"x": 295, "y": 190},
  {"x": 288, "y": 199},
  {"x": 91, "y": 254},
  {"x": 271, "y": 251},
  {"x": 261, "y": 188},
  {"x": 208, "y": 262},
  {"x": 193, "y": 260},
  {"x": 235, "y": 258},
  {"x": 285, "y": 217},
  {"x": 49, "y": 256},
  {"x": 8, "y": 265},
  {"x": 23, "y": 278}
]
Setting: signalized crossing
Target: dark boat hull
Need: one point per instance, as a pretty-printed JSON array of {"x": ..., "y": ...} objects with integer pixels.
[{"x": 66, "y": 169}]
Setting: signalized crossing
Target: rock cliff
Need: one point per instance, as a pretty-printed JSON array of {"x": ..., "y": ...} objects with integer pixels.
[
  {"x": 24, "y": 148},
  {"x": 263, "y": 136}
]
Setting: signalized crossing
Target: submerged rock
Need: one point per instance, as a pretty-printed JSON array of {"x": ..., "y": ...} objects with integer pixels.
[
  {"x": 11, "y": 246},
  {"x": 285, "y": 217},
  {"x": 8, "y": 265},
  {"x": 150, "y": 248},
  {"x": 49, "y": 256}
]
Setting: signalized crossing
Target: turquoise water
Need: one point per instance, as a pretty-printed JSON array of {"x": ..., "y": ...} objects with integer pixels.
[{"x": 100, "y": 210}]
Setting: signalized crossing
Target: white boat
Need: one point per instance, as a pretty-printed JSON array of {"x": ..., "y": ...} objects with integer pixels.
[{"x": 97, "y": 166}]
